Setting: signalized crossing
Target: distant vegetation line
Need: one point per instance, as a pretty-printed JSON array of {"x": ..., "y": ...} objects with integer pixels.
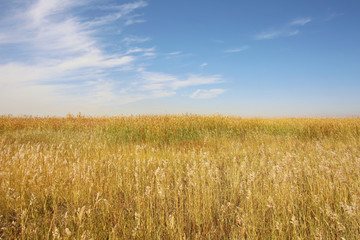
[{"x": 170, "y": 128}]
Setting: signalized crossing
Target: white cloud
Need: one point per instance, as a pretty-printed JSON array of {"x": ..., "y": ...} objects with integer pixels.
[
  {"x": 211, "y": 93},
  {"x": 133, "y": 39},
  {"x": 121, "y": 11},
  {"x": 133, "y": 21},
  {"x": 46, "y": 30},
  {"x": 58, "y": 43},
  {"x": 203, "y": 65},
  {"x": 103, "y": 90},
  {"x": 93, "y": 60},
  {"x": 61, "y": 55},
  {"x": 195, "y": 80},
  {"x": 44, "y": 8},
  {"x": 67, "y": 66},
  {"x": 277, "y": 34},
  {"x": 129, "y": 7},
  {"x": 125, "y": 99},
  {"x": 138, "y": 50},
  {"x": 47, "y": 25},
  {"x": 268, "y": 35},
  {"x": 333, "y": 15},
  {"x": 301, "y": 21},
  {"x": 17, "y": 72},
  {"x": 235, "y": 50},
  {"x": 166, "y": 82},
  {"x": 286, "y": 31},
  {"x": 174, "y": 53},
  {"x": 293, "y": 33},
  {"x": 155, "y": 77},
  {"x": 149, "y": 54}
]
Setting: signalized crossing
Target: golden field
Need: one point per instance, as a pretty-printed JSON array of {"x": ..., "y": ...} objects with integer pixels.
[{"x": 179, "y": 177}]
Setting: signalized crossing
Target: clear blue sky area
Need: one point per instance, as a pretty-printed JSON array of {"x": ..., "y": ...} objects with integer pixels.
[{"x": 243, "y": 58}]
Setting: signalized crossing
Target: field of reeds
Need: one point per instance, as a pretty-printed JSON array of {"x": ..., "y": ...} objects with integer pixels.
[{"x": 179, "y": 177}]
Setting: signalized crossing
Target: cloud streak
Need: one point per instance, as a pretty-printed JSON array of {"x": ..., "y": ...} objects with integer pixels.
[
  {"x": 162, "y": 81},
  {"x": 333, "y": 15},
  {"x": 268, "y": 35},
  {"x": 140, "y": 50},
  {"x": 203, "y": 65},
  {"x": 67, "y": 63},
  {"x": 205, "y": 94},
  {"x": 133, "y": 39},
  {"x": 236, "y": 50},
  {"x": 300, "y": 21},
  {"x": 286, "y": 31}
]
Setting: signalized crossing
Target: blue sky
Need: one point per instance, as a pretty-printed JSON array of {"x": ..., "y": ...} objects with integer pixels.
[{"x": 243, "y": 58}]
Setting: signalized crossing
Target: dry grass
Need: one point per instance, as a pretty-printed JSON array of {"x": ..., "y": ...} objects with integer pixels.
[{"x": 179, "y": 177}]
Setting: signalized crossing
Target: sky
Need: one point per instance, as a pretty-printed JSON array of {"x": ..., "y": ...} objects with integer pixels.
[{"x": 239, "y": 58}]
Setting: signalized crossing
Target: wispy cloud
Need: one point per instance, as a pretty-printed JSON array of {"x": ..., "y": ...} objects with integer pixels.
[
  {"x": 268, "y": 35},
  {"x": 150, "y": 85},
  {"x": 293, "y": 33},
  {"x": 333, "y": 15},
  {"x": 103, "y": 89},
  {"x": 158, "y": 77},
  {"x": 277, "y": 34},
  {"x": 64, "y": 59},
  {"x": 60, "y": 42},
  {"x": 285, "y": 31},
  {"x": 60, "y": 51},
  {"x": 203, "y": 94},
  {"x": 134, "y": 39},
  {"x": 196, "y": 80},
  {"x": 45, "y": 8},
  {"x": 47, "y": 32},
  {"x": 133, "y": 21},
  {"x": 301, "y": 21},
  {"x": 167, "y": 81},
  {"x": 125, "y": 8},
  {"x": 139, "y": 50},
  {"x": 203, "y": 65},
  {"x": 174, "y": 53},
  {"x": 18, "y": 72},
  {"x": 122, "y": 11},
  {"x": 149, "y": 54},
  {"x": 236, "y": 50}
]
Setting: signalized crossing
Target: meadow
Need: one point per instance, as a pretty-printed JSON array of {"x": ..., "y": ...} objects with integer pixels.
[{"x": 179, "y": 177}]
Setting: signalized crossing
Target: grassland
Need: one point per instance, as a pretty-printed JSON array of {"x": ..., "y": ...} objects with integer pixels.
[{"x": 179, "y": 177}]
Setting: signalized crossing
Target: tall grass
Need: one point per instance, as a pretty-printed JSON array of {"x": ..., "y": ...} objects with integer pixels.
[{"x": 179, "y": 177}]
